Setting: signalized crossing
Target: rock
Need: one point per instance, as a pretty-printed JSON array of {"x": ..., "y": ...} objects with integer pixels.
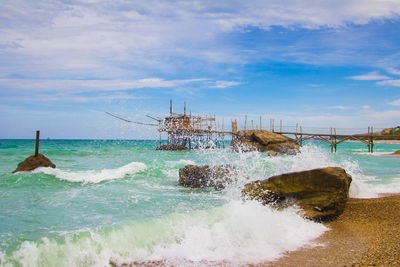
[
  {"x": 321, "y": 193},
  {"x": 208, "y": 176},
  {"x": 265, "y": 141},
  {"x": 34, "y": 162},
  {"x": 171, "y": 147},
  {"x": 396, "y": 153}
]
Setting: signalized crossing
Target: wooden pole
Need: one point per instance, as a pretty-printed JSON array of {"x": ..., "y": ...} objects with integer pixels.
[
  {"x": 273, "y": 125},
  {"x": 260, "y": 123},
  {"x": 252, "y": 125},
  {"x": 301, "y": 136},
  {"x": 372, "y": 139},
  {"x": 37, "y": 143},
  {"x": 280, "y": 125},
  {"x": 369, "y": 139},
  {"x": 335, "y": 139},
  {"x": 245, "y": 122}
]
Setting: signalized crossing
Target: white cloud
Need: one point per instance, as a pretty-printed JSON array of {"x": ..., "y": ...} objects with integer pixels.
[
  {"x": 338, "y": 107},
  {"x": 371, "y": 76},
  {"x": 224, "y": 84},
  {"x": 116, "y": 39},
  {"x": 390, "y": 82},
  {"x": 366, "y": 107},
  {"x": 393, "y": 71},
  {"x": 78, "y": 86},
  {"x": 395, "y": 102}
]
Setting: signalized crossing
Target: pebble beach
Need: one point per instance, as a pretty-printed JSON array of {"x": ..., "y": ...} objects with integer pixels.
[{"x": 366, "y": 234}]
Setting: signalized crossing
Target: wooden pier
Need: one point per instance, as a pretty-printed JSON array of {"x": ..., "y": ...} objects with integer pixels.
[{"x": 187, "y": 131}]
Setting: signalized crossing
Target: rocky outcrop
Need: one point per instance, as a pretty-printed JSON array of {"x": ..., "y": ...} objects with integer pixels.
[
  {"x": 208, "y": 176},
  {"x": 395, "y": 153},
  {"x": 264, "y": 141},
  {"x": 321, "y": 193},
  {"x": 171, "y": 147},
  {"x": 33, "y": 162}
]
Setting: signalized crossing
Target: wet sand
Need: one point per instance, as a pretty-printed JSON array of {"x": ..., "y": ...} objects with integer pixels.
[{"x": 366, "y": 234}]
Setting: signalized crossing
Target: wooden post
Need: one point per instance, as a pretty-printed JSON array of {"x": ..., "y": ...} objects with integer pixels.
[
  {"x": 260, "y": 123},
  {"x": 372, "y": 139},
  {"x": 170, "y": 107},
  {"x": 245, "y": 122},
  {"x": 301, "y": 136},
  {"x": 280, "y": 125},
  {"x": 335, "y": 139},
  {"x": 331, "y": 141},
  {"x": 37, "y": 143},
  {"x": 160, "y": 138},
  {"x": 273, "y": 125},
  {"x": 369, "y": 139},
  {"x": 252, "y": 125}
]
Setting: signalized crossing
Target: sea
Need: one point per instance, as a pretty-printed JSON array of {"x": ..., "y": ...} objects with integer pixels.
[{"x": 115, "y": 202}]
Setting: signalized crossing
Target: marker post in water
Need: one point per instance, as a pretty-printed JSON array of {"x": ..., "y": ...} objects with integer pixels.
[
  {"x": 37, "y": 143},
  {"x": 34, "y": 161}
]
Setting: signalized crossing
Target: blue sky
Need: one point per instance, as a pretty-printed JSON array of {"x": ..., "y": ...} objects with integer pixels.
[{"x": 316, "y": 63}]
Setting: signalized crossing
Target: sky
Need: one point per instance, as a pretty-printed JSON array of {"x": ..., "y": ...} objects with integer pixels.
[{"x": 318, "y": 63}]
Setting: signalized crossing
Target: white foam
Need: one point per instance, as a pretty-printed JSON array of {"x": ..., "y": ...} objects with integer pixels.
[
  {"x": 181, "y": 162},
  {"x": 92, "y": 176},
  {"x": 237, "y": 233}
]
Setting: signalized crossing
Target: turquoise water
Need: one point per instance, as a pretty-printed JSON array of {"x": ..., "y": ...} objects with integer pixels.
[{"x": 120, "y": 201}]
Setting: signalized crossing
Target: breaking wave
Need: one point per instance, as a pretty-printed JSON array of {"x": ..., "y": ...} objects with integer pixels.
[{"x": 92, "y": 176}]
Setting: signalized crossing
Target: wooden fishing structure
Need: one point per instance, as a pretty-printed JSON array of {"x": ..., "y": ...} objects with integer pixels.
[
  {"x": 189, "y": 131},
  {"x": 192, "y": 131}
]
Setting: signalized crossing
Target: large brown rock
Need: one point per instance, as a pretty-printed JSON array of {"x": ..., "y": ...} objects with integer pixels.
[
  {"x": 34, "y": 162},
  {"x": 321, "y": 193},
  {"x": 208, "y": 176},
  {"x": 264, "y": 141}
]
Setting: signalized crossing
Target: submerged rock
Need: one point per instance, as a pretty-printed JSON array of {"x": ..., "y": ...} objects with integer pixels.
[
  {"x": 321, "y": 193},
  {"x": 208, "y": 176},
  {"x": 33, "y": 162},
  {"x": 171, "y": 147},
  {"x": 264, "y": 141}
]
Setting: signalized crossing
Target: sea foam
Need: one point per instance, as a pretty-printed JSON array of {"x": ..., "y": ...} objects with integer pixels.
[
  {"x": 236, "y": 233},
  {"x": 94, "y": 176}
]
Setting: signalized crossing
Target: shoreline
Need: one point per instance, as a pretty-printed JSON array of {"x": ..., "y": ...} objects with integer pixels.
[{"x": 366, "y": 234}]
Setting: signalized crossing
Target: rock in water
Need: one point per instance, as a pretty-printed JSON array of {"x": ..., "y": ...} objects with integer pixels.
[
  {"x": 207, "y": 176},
  {"x": 34, "y": 162},
  {"x": 321, "y": 193},
  {"x": 264, "y": 141},
  {"x": 396, "y": 153}
]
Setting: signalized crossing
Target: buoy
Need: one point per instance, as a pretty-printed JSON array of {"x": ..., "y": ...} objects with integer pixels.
[{"x": 35, "y": 161}]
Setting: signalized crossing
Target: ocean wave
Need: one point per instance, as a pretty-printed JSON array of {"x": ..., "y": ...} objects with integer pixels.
[
  {"x": 236, "y": 233},
  {"x": 94, "y": 176}
]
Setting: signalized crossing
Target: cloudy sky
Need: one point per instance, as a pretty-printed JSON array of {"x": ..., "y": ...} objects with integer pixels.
[{"x": 317, "y": 63}]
